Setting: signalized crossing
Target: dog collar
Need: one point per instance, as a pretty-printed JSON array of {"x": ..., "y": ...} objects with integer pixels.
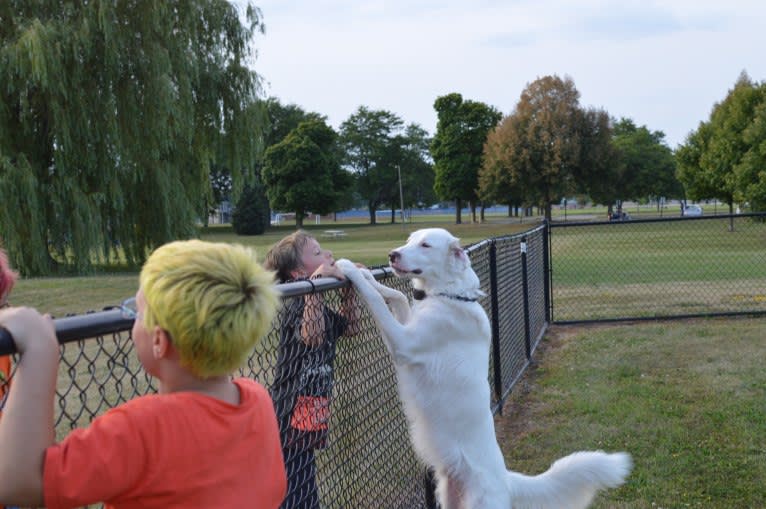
[{"x": 420, "y": 295}]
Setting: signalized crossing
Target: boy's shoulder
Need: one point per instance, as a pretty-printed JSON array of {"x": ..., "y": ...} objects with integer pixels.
[
  {"x": 162, "y": 406},
  {"x": 249, "y": 388},
  {"x": 254, "y": 395},
  {"x": 251, "y": 392}
]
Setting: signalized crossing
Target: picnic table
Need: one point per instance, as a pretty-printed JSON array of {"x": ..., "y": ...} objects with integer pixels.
[{"x": 334, "y": 234}]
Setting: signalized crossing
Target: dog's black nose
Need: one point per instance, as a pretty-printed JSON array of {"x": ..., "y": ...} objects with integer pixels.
[{"x": 393, "y": 256}]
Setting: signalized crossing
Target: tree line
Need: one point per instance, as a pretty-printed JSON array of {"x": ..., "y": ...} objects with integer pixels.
[{"x": 123, "y": 123}]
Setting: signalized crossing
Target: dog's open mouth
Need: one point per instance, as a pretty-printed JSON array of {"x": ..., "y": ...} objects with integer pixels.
[{"x": 400, "y": 271}]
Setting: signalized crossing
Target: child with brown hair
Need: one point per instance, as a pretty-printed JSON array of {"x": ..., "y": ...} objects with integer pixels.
[
  {"x": 206, "y": 440},
  {"x": 304, "y": 375}
]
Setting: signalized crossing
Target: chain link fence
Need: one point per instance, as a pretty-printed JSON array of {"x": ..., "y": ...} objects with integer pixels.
[
  {"x": 660, "y": 268},
  {"x": 364, "y": 458},
  {"x": 629, "y": 270}
]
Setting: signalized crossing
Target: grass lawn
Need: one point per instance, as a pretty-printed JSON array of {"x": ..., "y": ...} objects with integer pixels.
[
  {"x": 363, "y": 242},
  {"x": 634, "y": 210},
  {"x": 652, "y": 269},
  {"x": 657, "y": 252},
  {"x": 686, "y": 399}
]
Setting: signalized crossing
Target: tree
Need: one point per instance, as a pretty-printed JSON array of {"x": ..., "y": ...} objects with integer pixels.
[
  {"x": 457, "y": 148},
  {"x": 698, "y": 184},
  {"x": 110, "y": 116},
  {"x": 302, "y": 172},
  {"x": 717, "y": 160},
  {"x": 645, "y": 166},
  {"x": 750, "y": 174},
  {"x": 548, "y": 146},
  {"x": 405, "y": 156},
  {"x": 367, "y": 139},
  {"x": 416, "y": 168},
  {"x": 278, "y": 121},
  {"x": 500, "y": 180},
  {"x": 220, "y": 189},
  {"x": 281, "y": 119},
  {"x": 251, "y": 216},
  {"x": 597, "y": 174}
]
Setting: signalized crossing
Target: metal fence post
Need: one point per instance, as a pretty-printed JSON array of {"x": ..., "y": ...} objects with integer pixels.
[
  {"x": 547, "y": 270},
  {"x": 495, "y": 323},
  {"x": 429, "y": 484},
  {"x": 525, "y": 290}
]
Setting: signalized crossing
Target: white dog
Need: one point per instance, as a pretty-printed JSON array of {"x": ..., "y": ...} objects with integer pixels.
[{"x": 440, "y": 348}]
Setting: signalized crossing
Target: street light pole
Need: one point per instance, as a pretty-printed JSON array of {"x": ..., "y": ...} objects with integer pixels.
[{"x": 401, "y": 195}]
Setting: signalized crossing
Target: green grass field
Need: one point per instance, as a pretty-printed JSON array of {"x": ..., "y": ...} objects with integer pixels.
[
  {"x": 685, "y": 398},
  {"x": 658, "y": 252}
]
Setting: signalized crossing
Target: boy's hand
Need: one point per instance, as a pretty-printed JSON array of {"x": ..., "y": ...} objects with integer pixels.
[{"x": 30, "y": 329}]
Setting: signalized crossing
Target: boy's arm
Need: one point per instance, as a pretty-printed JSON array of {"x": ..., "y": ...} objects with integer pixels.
[{"x": 26, "y": 426}]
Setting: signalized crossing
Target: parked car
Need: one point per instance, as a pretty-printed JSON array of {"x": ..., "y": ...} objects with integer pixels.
[
  {"x": 692, "y": 210},
  {"x": 619, "y": 217}
]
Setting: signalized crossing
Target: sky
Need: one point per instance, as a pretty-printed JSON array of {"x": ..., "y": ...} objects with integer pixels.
[{"x": 662, "y": 64}]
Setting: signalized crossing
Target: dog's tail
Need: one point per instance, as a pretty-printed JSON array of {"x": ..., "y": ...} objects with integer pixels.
[{"x": 571, "y": 482}]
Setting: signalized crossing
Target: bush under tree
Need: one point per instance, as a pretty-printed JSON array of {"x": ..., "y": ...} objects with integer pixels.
[{"x": 251, "y": 215}]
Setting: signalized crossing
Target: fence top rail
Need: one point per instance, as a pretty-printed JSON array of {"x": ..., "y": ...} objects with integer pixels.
[
  {"x": 305, "y": 287},
  {"x": 505, "y": 238},
  {"x": 557, "y": 224},
  {"x": 110, "y": 320},
  {"x": 73, "y": 328}
]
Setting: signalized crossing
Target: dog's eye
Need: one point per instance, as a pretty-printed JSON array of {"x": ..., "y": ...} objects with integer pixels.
[{"x": 425, "y": 244}]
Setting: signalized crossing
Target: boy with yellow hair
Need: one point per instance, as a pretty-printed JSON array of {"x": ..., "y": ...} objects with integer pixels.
[{"x": 206, "y": 440}]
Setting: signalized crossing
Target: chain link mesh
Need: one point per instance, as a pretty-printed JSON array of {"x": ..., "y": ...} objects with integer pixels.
[
  {"x": 674, "y": 267},
  {"x": 365, "y": 459}
]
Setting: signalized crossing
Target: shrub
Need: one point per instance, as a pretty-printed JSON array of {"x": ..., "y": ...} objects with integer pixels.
[{"x": 251, "y": 215}]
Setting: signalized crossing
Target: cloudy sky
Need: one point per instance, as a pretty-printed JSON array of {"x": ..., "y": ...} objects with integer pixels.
[{"x": 663, "y": 64}]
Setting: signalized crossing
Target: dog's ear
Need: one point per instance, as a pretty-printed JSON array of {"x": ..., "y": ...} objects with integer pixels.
[{"x": 457, "y": 255}]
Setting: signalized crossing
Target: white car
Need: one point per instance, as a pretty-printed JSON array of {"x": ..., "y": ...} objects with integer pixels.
[{"x": 692, "y": 210}]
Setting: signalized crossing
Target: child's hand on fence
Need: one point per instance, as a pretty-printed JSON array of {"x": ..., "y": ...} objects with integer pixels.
[
  {"x": 328, "y": 270},
  {"x": 30, "y": 330}
]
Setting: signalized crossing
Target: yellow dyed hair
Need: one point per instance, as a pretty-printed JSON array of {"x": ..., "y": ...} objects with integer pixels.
[{"x": 214, "y": 300}]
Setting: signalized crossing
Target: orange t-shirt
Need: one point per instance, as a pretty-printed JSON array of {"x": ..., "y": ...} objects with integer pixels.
[
  {"x": 172, "y": 450},
  {"x": 5, "y": 367}
]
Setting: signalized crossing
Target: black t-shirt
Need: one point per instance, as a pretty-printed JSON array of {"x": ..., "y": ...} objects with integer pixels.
[{"x": 302, "y": 369}]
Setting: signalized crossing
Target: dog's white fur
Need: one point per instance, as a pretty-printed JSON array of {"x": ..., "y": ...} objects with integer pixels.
[{"x": 440, "y": 348}]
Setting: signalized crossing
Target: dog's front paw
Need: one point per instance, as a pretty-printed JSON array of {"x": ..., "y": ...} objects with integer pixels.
[
  {"x": 368, "y": 275},
  {"x": 349, "y": 269}
]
